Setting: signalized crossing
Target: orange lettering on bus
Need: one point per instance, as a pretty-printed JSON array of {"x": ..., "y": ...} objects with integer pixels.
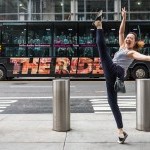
[
  {"x": 17, "y": 64},
  {"x": 62, "y": 65},
  {"x": 30, "y": 66},
  {"x": 85, "y": 65},
  {"x": 97, "y": 68},
  {"x": 73, "y": 67},
  {"x": 44, "y": 66}
]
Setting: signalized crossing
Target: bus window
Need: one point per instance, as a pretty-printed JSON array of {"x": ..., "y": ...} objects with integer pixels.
[
  {"x": 65, "y": 39},
  {"x": 39, "y": 39},
  {"x": 14, "y": 33},
  {"x": 111, "y": 31},
  {"x": 1, "y": 52},
  {"x": 0, "y": 40},
  {"x": 0, "y": 33},
  {"x": 14, "y": 51},
  {"x": 145, "y": 50},
  {"x": 141, "y": 29},
  {"x": 87, "y": 42}
]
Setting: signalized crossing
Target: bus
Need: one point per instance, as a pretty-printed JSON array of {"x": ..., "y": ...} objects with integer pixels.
[{"x": 63, "y": 49}]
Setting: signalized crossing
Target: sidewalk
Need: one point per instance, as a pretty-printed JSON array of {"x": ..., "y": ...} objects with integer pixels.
[{"x": 89, "y": 132}]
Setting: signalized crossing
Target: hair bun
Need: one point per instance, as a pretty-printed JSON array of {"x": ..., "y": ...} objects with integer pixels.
[{"x": 140, "y": 44}]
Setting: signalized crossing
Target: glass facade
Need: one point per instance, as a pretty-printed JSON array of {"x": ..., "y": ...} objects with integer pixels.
[{"x": 72, "y": 9}]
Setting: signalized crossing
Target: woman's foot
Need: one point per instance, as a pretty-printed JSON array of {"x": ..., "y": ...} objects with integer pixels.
[
  {"x": 98, "y": 17},
  {"x": 122, "y": 137}
]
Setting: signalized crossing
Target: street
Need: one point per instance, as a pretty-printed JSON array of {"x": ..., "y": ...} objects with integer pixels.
[{"x": 28, "y": 97}]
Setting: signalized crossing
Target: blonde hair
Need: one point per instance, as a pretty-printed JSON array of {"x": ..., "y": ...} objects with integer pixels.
[{"x": 139, "y": 43}]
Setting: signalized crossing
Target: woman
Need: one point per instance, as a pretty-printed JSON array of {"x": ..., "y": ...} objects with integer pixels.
[{"x": 117, "y": 67}]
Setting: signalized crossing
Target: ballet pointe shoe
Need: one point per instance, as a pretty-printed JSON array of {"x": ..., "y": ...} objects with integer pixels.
[{"x": 98, "y": 17}]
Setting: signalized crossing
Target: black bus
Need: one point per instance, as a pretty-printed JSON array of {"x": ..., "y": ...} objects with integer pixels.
[{"x": 63, "y": 49}]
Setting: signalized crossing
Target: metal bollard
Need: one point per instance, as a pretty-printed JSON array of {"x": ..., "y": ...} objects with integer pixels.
[
  {"x": 143, "y": 104},
  {"x": 61, "y": 105}
]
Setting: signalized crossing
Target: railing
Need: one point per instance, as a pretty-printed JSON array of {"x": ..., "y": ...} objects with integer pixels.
[{"x": 131, "y": 15}]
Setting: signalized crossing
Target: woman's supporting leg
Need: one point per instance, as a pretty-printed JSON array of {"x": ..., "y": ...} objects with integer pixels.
[{"x": 112, "y": 100}]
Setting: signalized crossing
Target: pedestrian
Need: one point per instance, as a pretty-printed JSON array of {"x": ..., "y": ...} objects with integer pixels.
[{"x": 116, "y": 68}]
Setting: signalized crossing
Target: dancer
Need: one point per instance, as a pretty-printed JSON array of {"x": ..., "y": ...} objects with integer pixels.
[{"x": 117, "y": 67}]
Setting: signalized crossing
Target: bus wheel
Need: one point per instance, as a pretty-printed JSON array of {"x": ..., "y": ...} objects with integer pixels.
[
  {"x": 2, "y": 73},
  {"x": 140, "y": 72}
]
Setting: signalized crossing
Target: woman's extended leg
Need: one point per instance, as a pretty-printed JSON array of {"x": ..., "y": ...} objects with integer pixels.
[
  {"x": 108, "y": 66},
  {"x": 110, "y": 72}
]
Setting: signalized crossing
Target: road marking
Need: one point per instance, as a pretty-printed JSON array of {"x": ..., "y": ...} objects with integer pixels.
[
  {"x": 101, "y": 105},
  {"x": 109, "y": 112},
  {"x": 100, "y": 91},
  {"x": 6, "y": 103},
  {"x": 19, "y": 86},
  {"x": 97, "y": 100},
  {"x": 2, "y": 107},
  {"x": 75, "y": 97}
]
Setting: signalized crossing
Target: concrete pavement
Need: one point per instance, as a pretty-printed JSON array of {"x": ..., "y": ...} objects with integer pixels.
[{"x": 89, "y": 131}]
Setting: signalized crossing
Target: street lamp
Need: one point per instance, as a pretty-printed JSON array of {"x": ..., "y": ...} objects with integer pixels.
[
  {"x": 61, "y": 4},
  {"x": 139, "y": 3}
]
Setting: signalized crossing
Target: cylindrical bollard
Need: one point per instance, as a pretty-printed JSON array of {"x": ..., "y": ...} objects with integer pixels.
[
  {"x": 143, "y": 104},
  {"x": 61, "y": 105}
]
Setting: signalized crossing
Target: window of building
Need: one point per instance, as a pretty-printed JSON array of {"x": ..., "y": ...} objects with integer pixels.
[
  {"x": 13, "y": 10},
  {"x": 141, "y": 6},
  {"x": 8, "y": 6},
  {"x": 94, "y": 6},
  {"x": 110, "y": 11}
]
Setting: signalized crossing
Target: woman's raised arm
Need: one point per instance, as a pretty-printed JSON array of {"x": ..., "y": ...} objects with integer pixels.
[{"x": 122, "y": 27}]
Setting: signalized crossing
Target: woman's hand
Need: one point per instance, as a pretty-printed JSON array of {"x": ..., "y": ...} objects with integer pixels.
[
  {"x": 123, "y": 13},
  {"x": 122, "y": 28}
]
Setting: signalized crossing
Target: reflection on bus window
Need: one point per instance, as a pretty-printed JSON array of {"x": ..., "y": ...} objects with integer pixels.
[
  {"x": 46, "y": 39},
  {"x": 14, "y": 34},
  {"x": 70, "y": 39},
  {"x": 87, "y": 41},
  {"x": 39, "y": 40},
  {"x": 15, "y": 51},
  {"x": 64, "y": 38}
]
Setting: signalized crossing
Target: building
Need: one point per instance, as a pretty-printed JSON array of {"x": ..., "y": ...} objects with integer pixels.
[{"x": 74, "y": 10}]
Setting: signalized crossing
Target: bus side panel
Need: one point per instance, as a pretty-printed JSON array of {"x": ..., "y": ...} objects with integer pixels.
[{"x": 56, "y": 66}]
